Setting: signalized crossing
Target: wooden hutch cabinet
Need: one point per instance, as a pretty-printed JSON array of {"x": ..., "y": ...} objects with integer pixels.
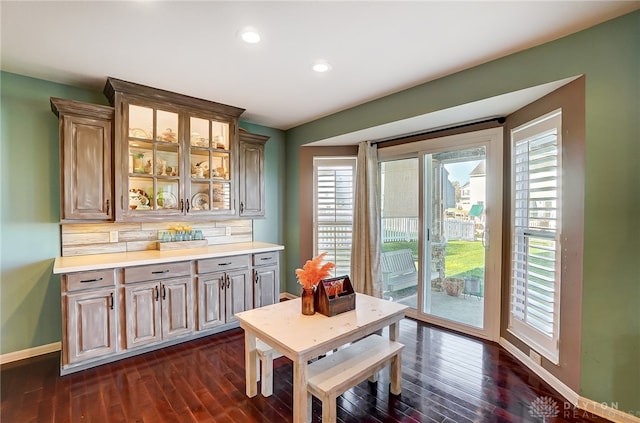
[
  {"x": 176, "y": 156},
  {"x": 252, "y": 191},
  {"x": 85, "y": 153}
]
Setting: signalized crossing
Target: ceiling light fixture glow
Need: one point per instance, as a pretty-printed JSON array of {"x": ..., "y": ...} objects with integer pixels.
[
  {"x": 321, "y": 67},
  {"x": 250, "y": 35}
]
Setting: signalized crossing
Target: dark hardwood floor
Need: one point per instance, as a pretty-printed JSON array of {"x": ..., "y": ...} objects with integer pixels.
[{"x": 446, "y": 377}]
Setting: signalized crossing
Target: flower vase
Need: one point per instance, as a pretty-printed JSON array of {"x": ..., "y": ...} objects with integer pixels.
[{"x": 307, "y": 298}]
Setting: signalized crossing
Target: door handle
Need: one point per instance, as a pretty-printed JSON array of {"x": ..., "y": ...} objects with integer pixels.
[
  {"x": 485, "y": 238},
  {"x": 111, "y": 295}
]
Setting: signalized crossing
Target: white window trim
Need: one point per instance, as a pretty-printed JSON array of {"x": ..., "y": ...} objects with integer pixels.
[
  {"x": 546, "y": 346},
  {"x": 328, "y": 161}
]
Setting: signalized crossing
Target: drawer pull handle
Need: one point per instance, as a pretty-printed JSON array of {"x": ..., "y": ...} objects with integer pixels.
[
  {"x": 224, "y": 264},
  {"x": 266, "y": 258},
  {"x": 91, "y": 280},
  {"x": 159, "y": 272}
]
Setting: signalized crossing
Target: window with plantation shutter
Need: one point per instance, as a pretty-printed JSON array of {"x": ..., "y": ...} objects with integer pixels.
[
  {"x": 535, "y": 264},
  {"x": 333, "y": 181}
]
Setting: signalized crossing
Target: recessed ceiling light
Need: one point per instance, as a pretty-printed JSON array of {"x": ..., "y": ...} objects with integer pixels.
[
  {"x": 250, "y": 35},
  {"x": 321, "y": 67}
]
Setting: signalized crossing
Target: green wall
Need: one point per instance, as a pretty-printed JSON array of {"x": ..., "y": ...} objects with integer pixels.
[
  {"x": 30, "y": 210},
  {"x": 609, "y": 56},
  {"x": 30, "y": 203}
]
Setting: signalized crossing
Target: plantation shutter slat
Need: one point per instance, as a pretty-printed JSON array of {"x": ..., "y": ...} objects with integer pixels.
[{"x": 333, "y": 210}]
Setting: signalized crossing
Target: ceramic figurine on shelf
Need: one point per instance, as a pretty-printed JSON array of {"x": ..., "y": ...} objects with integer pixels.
[
  {"x": 148, "y": 167},
  {"x": 163, "y": 168}
]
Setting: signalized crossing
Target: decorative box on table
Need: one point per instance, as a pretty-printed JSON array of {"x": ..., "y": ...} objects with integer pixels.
[{"x": 335, "y": 296}]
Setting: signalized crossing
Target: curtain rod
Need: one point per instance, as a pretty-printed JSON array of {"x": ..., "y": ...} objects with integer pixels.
[{"x": 500, "y": 120}]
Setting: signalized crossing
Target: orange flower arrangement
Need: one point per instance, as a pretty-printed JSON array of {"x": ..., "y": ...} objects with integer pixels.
[{"x": 312, "y": 272}]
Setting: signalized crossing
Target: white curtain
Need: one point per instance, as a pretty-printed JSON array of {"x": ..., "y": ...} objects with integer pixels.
[{"x": 366, "y": 276}]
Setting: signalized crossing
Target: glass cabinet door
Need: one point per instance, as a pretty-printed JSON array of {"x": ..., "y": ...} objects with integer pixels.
[
  {"x": 210, "y": 167},
  {"x": 154, "y": 161}
]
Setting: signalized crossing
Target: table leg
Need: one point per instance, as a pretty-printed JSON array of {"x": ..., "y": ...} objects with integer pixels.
[
  {"x": 301, "y": 401},
  {"x": 394, "y": 331},
  {"x": 250, "y": 365}
]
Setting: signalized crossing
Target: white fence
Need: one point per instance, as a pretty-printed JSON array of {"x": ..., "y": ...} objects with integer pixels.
[{"x": 406, "y": 229}]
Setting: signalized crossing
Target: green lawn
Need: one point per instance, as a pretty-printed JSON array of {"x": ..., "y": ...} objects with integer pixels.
[{"x": 464, "y": 258}]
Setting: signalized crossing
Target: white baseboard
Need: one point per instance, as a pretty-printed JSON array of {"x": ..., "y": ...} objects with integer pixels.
[
  {"x": 584, "y": 404},
  {"x": 287, "y": 296},
  {"x": 29, "y": 352}
]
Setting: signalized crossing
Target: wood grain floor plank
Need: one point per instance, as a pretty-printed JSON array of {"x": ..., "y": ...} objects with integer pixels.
[{"x": 446, "y": 378}]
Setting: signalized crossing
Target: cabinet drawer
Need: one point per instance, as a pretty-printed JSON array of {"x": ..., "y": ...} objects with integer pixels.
[
  {"x": 222, "y": 264},
  {"x": 157, "y": 271},
  {"x": 264, "y": 259},
  {"x": 89, "y": 280}
]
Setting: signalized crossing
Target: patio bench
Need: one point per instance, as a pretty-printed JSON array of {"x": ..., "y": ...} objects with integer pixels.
[
  {"x": 398, "y": 270},
  {"x": 333, "y": 375}
]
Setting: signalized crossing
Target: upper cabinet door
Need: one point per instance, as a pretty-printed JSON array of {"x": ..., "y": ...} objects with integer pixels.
[
  {"x": 153, "y": 167},
  {"x": 252, "y": 184},
  {"x": 86, "y": 151},
  {"x": 212, "y": 157},
  {"x": 176, "y": 156}
]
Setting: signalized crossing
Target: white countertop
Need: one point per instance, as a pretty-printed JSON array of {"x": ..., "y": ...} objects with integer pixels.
[{"x": 137, "y": 258}]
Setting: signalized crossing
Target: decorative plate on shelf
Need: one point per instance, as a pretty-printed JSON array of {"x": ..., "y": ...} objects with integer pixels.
[
  {"x": 200, "y": 201},
  {"x": 138, "y": 133},
  {"x": 138, "y": 199},
  {"x": 166, "y": 200}
]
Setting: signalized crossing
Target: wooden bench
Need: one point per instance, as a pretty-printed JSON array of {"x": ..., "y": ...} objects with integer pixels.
[
  {"x": 266, "y": 355},
  {"x": 333, "y": 375},
  {"x": 398, "y": 270}
]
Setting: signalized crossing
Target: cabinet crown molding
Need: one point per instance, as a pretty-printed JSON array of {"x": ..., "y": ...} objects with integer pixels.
[
  {"x": 79, "y": 108},
  {"x": 114, "y": 86}
]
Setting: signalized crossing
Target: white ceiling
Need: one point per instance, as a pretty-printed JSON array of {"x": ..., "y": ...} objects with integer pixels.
[{"x": 375, "y": 48}]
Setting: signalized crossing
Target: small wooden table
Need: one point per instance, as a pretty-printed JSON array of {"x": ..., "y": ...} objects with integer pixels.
[{"x": 301, "y": 338}]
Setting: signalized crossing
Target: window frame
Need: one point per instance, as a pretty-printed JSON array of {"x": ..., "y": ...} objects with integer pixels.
[{"x": 547, "y": 346}]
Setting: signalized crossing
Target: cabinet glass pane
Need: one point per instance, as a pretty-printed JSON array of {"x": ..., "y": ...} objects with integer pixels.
[
  {"x": 220, "y": 134},
  {"x": 220, "y": 166},
  {"x": 199, "y": 132},
  {"x": 140, "y": 122},
  {"x": 166, "y": 126},
  {"x": 167, "y": 161},
  {"x": 139, "y": 190},
  {"x": 140, "y": 157},
  {"x": 200, "y": 199},
  {"x": 221, "y": 196},
  {"x": 200, "y": 165},
  {"x": 167, "y": 195}
]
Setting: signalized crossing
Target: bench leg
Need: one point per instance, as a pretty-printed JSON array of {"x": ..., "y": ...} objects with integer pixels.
[
  {"x": 329, "y": 409},
  {"x": 266, "y": 373},
  {"x": 395, "y": 374}
]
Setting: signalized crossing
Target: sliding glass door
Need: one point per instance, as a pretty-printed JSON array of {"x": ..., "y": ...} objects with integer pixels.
[{"x": 441, "y": 210}]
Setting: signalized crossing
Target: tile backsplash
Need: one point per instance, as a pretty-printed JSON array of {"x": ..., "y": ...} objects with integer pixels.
[{"x": 100, "y": 238}]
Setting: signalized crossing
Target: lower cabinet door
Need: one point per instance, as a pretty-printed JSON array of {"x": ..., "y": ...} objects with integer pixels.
[
  {"x": 265, "y": 289},
  {"x": 239, "y": 296},
  {"x": 91, "y": 325},
  {"x": 143, "y": 317},
  {"x": 177, "y": 308},
  {"x": 211, "y": 296}
]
